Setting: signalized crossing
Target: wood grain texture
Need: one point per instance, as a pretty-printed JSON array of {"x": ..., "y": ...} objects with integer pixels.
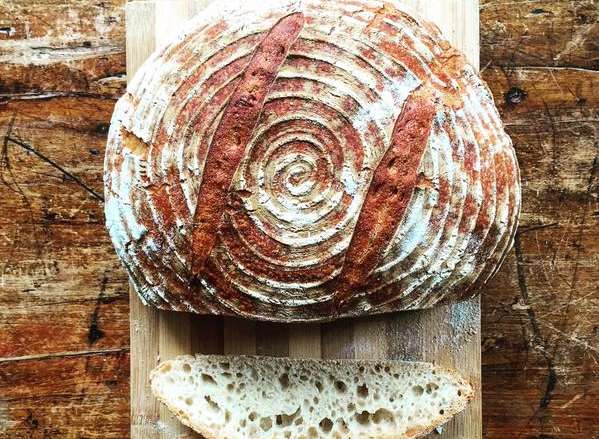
[
  {"x": 540, "y": 339},
  {"x": 56, "y": 48},
  {"x": 381, "y": 337},
  {"x": 540, "y": 33},
  {"x": 155, "y": 335}
]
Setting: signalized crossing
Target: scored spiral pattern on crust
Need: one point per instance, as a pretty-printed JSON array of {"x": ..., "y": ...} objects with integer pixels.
[{"x": 304, "y": 160}]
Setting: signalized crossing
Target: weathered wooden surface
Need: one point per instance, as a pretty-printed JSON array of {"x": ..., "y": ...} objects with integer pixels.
[{"x": 63, "y": 299}]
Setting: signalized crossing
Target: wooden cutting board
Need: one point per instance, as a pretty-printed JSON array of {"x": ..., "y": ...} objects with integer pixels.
[{"x": 448, "y": 335}]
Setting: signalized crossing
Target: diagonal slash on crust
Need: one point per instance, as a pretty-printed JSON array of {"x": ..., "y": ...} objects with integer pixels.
[
  {"x": 234, "y": 131},
  {"x": 388, "y": 195}
]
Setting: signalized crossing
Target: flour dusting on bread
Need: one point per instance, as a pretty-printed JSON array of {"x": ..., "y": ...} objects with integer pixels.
[{"x": 260, "y": 156}]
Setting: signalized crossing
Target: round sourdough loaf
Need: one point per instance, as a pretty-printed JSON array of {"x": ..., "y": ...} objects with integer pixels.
[{"x": 307, "y": 160}]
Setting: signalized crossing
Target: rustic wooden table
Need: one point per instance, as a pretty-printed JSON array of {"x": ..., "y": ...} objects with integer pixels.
[{"x": 64, "y": 312}]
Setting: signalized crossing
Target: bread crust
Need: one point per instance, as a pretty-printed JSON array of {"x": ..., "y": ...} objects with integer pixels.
[
  {"x": 228, "y": 145},
  {"x": 390, "y": 191},
  {"x": 294, "y": 160}
]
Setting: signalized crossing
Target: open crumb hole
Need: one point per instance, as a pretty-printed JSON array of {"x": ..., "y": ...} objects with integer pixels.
[
  {"x": 362, "y": 418},
  {"x": 383, "y": 415},
  {"x": 318, "y": 385},
  {"x": 340, "y": 386},
  {"x": 285, "y": 420},
  {"x": 207, "y": 379},
  {"x": 212, "y": 404},
  {"x": 326, "y": 425},
  {"x": 265, "y": 424},
  {"x": 363, "y": 391},
  {"x": 418, "y": 390},
  {"x": 431, "y": 387},
  {"x": 284, "y": 380}
]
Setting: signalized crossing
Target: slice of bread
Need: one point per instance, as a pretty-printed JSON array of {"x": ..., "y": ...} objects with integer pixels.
[{"x": 241, "y": 397}]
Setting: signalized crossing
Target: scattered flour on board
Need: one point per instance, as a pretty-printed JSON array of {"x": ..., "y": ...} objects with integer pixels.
[
  {"x": 463, "y": 322},
  {"x": 453, "y": 327}
]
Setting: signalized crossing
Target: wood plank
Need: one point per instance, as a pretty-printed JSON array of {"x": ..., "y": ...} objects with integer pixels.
[
  {"x": 145, "y": 332},
  {"x": 50, "y": 299},
  {"x": 175, "y": 328},
  {"x": 272, "y": 339},
  {"x": 547, "y": 33},
  {"x": 305, "y": 341},
  {"x": 362, "y": 338},
  {"x": 540, "y": 339},
  {"x": 207, "y": 334},
  {"x": 240, "y": 336},
  {"x": 62, "y": 48},
  {"x": 169, "y": 333},
  {"x": 65, "y": 395},
  {"x": 447, "y": 335}
]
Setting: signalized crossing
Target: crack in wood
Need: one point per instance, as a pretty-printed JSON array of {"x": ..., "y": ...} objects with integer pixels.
[
  {"x": 565, "y": 316},
  {"x": 94, "y": 332},
  {"x": 540, "y": 343},
  {"x": 55, "y": 165},
  {"x": 14, "y": 186},
  {"x": 43, "y": 95},
  {"x": 535, "y": 227},
  {"x": 53, "y": 355}
]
